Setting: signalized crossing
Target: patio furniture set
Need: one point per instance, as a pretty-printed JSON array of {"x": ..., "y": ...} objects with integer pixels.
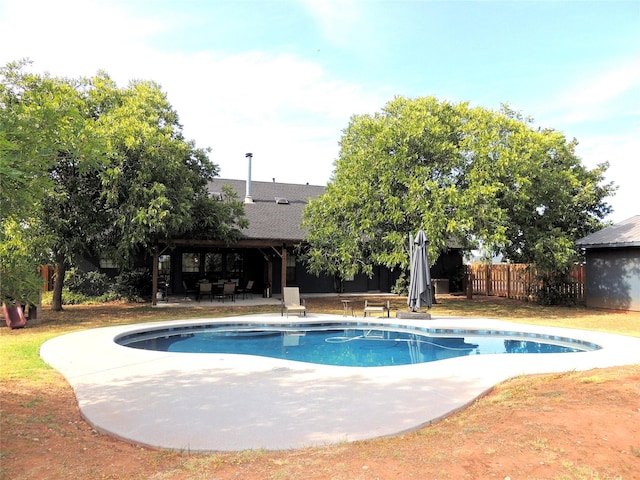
[
  {"x": 222, "y": 290},
  {"x": 291, "y": 301}
]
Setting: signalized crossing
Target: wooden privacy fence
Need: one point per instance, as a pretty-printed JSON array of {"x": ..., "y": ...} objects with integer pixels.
[{"x": 519, "y": 281}]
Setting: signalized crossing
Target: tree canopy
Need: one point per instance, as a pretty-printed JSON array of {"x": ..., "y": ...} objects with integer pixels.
[
  {"x": 95, "y": 168},
  {"x": 154, "y": 178},
  {"x": 471, "y": 176},
  {"x": 40, "y": 121}
]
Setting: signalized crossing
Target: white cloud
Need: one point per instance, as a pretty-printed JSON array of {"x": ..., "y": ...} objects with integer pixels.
[
  {"x": 621, "y": 151},
  {"x": 601, "y": 108},
  {"x": 286, "y": 110},
  {"x": 608, "y": 91},
  {"x": 72, "y": 36},
  {"x": 338, "y": 19}
]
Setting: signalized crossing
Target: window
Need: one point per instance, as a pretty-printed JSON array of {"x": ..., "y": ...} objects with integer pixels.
[
  {"x": 108, "y": 263},
  {"x": 190, "y": 263},
  {"x": 234, "y": 265},
  {"x": 213, "y": 265},
  {"x": 164, "y": 265}
]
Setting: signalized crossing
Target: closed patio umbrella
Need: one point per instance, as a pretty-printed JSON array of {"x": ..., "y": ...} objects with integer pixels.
[{"x": 420, "y": 278}]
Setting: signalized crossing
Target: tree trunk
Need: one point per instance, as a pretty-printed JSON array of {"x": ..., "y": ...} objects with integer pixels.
[
  {"x": 154, "y": 278},
  {"x": 58, "y": 283}
]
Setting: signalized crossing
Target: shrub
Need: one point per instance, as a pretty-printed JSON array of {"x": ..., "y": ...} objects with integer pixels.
[
  {"x": 553, "y": 290},
  {"x": 133, "y": 284},
  {"x": 401, "y": 286},
  {"x": 74, "y": 298},
  {"x": 89, "y": 284}
]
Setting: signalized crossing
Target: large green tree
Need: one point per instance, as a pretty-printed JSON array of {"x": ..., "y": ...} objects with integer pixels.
[
  {"x": 119, "y": 179},
  {"x": 42, "y": 127},
  {"x": 73, "y": 213},
  {"x": 23, "y": 155},
  {"x": 155, "y": 186},
  {"x": 22, "y": 183},
  {"x": 155, "y": 178},
  {"x": 476, "y": 176}
]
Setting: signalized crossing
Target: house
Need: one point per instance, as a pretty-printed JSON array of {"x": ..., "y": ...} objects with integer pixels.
[
  {"x": 266, "y": 253},
  {"x": 613, "y": 266}
]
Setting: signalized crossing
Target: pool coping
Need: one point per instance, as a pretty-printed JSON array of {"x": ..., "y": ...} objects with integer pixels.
[{"x": 227, "y": 402}]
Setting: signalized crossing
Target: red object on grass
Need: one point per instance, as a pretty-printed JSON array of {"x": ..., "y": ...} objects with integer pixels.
[{"x": 14, "y": 315}]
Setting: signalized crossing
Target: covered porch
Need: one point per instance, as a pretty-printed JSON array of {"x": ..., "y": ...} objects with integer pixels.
[{"x": 264, "y": 265}]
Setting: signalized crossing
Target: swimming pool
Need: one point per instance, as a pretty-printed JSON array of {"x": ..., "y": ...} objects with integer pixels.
[
  {"x": 224, "y": 401},
  {"x": 350, "y": 344}
]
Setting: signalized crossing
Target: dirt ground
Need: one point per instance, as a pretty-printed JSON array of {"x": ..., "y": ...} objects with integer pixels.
[
  {"x": 577, "y": 425},
  {"x": 571, "y": 426}
]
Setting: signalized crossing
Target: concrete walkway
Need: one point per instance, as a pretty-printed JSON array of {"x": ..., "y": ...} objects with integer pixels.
[
  {"x": 203, "y": 402},
  {"x": 180, "y": 301}
]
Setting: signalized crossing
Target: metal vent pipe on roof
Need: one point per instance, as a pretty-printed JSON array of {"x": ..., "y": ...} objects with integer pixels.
[{"x": 248, "y": 198}]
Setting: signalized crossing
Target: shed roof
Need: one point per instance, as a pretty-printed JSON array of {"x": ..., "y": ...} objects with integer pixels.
[
  {"x": 268, "y": 219},
  {"x": 623, "y": 234}
]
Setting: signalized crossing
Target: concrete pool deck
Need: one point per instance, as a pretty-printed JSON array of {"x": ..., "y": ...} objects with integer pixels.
[{"x": 207, "y": 402}]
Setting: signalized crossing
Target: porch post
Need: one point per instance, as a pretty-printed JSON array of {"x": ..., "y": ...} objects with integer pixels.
[{"x": 283, "y": 267}]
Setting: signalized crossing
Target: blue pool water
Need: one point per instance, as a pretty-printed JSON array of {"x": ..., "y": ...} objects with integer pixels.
[{"x": 357, "y": 344}]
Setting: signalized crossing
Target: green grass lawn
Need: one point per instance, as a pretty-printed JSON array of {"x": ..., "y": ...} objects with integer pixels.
[{"x": 19, "y": 349}]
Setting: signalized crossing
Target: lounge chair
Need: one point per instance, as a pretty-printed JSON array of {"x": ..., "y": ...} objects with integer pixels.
[
  {"x": 380, "y": 308},
  {"x": 291, "y": 301}
]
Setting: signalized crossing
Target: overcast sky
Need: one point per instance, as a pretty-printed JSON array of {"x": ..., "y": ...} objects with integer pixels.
[{"x": 281, "y": 79}]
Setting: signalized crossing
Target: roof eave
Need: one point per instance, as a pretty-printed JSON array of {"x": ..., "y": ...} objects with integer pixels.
[{"x": 608, "y": 245}]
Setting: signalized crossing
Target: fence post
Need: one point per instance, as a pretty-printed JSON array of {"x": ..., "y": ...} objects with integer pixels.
[
  {"x": 509, "y": 280},
  {"x": 487, "y": 276}
]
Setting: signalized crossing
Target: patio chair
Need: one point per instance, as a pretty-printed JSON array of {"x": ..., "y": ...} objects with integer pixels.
[
  {"x": 204, "y": 289},
  {"x": 380, "y": 308},
  {"x": 246, "y": 290},
  {"x": 291, "y": 301},
  {"x": 218, "y": 286},
  {"x": 228, "y": 291},
  {"x": 188, "y": 290}
]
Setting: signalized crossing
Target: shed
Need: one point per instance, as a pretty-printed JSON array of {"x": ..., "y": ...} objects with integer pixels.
[{"x": 613, "y": 266}]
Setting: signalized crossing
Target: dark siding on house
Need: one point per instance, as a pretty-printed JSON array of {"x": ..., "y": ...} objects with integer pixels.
[
  {"x": 613, "y": 278},
  {"x": 612, "y": 267}
]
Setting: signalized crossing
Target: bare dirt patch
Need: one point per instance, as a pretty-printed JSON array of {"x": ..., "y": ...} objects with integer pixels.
[{"x": 572, "y": 426}]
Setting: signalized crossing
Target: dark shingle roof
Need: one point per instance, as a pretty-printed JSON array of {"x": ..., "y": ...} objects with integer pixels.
[
  {"x": 623, "y": 234},
  {"x": 269, "y": 220}
]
